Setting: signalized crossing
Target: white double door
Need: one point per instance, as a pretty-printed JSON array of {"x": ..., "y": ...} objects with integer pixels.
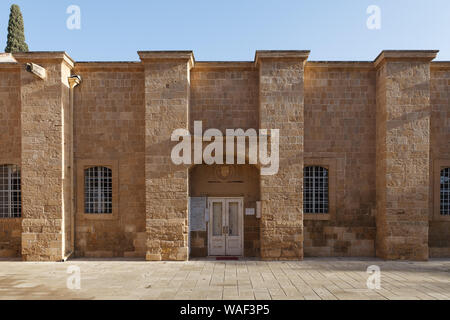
[{"x": 225, "y": 231}]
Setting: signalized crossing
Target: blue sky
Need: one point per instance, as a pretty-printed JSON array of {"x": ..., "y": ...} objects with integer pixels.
[{"x": 232, "y": 30}]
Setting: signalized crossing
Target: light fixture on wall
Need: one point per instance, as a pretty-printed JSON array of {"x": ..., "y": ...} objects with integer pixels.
[{"x": 37, "y": 70}]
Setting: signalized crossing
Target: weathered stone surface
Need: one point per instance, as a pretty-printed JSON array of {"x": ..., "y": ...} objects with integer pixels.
[
  {"x": 109, "y": 125},
  {"x": 167, "y": 88},
  {"x": 439, "y": 231},
  {"x": 403, "y": 152},
  {"x": 382, "y": 128},
  {"x": 281, "y": 98},
  {"x": 44, "y": 106},
  {"x": 340, "y": 127},
  {"x": 10, "y": 146}
]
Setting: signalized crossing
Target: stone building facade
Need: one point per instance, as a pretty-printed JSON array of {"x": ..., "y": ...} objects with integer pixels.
[{"x": 86, "y": 167}]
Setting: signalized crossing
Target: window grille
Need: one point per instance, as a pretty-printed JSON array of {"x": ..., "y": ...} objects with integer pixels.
[
  {"x": 445, "y": 192},
  {"x": 98, "y": 190},
  {"x": 315, "y": 190},
  {"x": 10, "y": 192}
]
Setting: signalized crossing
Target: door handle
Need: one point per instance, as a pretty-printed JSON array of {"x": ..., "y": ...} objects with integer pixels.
[{"x": 225, "y": 230}]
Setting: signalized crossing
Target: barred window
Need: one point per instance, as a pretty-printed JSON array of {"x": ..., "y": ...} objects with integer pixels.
[
  {"x": 98, "y": 190},
  {"x": 315, "y": 190},
  {"x": 445, "y": 192},
  {"x": 10, "y": 193}
]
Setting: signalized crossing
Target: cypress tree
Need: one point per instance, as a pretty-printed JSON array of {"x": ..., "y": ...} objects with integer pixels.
[{"x": 16, "y": 33}]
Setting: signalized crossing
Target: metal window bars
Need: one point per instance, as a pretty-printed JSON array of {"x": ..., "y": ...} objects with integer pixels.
[
  {"x": 445, "y": 192},
  {"x": 98, "y": 190},
  {"x": 315, "y": 190},
  {"x": 10, "y": 192}
]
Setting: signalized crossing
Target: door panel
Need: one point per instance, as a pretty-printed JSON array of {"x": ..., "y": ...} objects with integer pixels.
[
  {"x": 217, "y": 218},
  {"x": 234, "y": 222},
  {"x": 216, "y": 236},
  {"x": 233, "y": 217}
]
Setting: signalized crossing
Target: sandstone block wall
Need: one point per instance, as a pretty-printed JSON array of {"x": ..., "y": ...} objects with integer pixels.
[
  {"x": 167, "y": 90},
  {"x": 439, "y": 231},
  {"x": 109, "y": 126},
  {"x": 340, "y": 127},
  {"x": 224, "y": 95},
  {"x": 43, "y": 158},
  {"x": 382, "y": 127},
  {"x": 10, "y": 150},
  {"x": 67, "y": 147},
  {"x": 281, "y": 99},
  {"x": 403, "y": 159}
]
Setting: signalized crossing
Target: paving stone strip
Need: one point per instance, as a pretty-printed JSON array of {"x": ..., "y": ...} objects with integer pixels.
[{"x": 311, "y": 279}]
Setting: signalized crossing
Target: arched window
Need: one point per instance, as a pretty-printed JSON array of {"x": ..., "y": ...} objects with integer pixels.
[
  {"x": 10, "y": 194},
  {"x": 445, "y": 192},
  {"x": 98, "y": 190},
  {"x": 315, "y": 190}
]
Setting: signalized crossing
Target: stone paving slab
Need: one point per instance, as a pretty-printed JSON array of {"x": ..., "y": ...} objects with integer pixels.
[{"x": 311, "y": 279}]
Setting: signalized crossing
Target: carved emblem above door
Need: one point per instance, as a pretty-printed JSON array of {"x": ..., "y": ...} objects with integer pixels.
[{"x": 224, "y": 172}]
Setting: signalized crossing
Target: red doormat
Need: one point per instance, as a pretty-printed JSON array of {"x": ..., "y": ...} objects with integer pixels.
[{"x": 226, "y": 258}]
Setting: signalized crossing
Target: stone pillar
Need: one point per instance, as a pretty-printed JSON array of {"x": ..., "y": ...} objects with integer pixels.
[
  {"x": 403, "y": 146},
  {"x": 167, "y": 88},
  {"x": 282, "y": 107},
  {"x": 45, "y": 103}
]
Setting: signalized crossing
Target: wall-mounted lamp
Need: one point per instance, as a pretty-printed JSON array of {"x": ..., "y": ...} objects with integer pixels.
[
  {"x": 74, "y": 80},
  {"x": 37, "y": 70}
]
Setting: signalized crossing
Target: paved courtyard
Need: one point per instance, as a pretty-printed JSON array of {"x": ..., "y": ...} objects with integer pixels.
[{"x": 209, "y": 279}]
